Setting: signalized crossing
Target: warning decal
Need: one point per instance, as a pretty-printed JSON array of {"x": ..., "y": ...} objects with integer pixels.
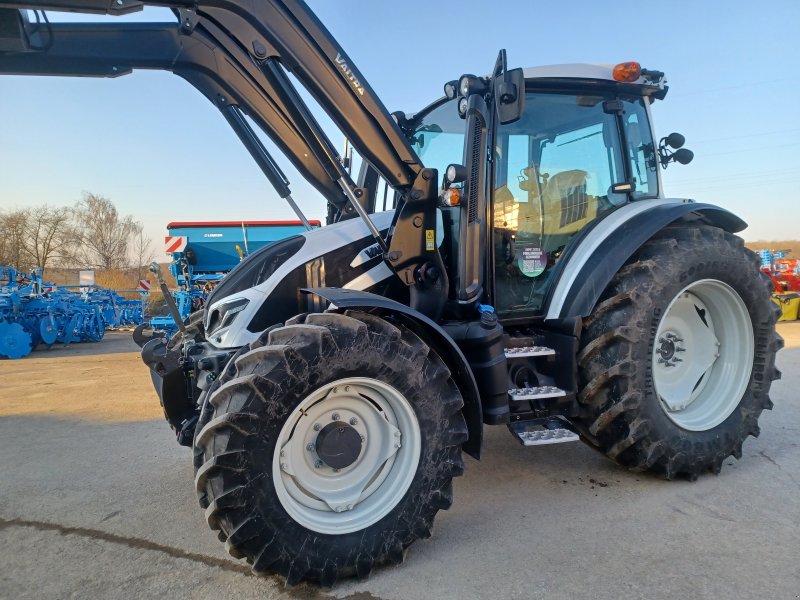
[
  {"x": 430, "y": 239},
  {"x": 175, "y": 243}
]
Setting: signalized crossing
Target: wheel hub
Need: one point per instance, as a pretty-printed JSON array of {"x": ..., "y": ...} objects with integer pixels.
[
  {"x": 702, "y": 356},
  {"x": 338, "y": 445},
  {"x": 670, "y": 347},
  {"x": 346, "y": 455}
]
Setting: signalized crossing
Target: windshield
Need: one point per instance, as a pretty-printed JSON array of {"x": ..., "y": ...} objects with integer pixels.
[{"x": 438, "y": 138}]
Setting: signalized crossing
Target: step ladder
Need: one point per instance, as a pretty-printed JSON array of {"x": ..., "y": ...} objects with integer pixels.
[
  {"x": 529, "y": 351},
  {"x": 532, "y": 393},
  {"x": 539, "y": 432},
  {"x": 535, "y": 393}
]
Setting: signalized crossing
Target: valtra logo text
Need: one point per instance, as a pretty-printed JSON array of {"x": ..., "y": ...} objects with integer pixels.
[{"x": 349, "y": 73}]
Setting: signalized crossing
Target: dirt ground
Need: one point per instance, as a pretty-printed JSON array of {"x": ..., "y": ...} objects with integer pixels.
[{"x": 96, "y": 501}]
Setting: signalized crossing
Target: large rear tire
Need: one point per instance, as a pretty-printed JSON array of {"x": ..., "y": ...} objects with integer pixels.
[
  {"x": 677, "y": 358},
  {"x": 281, "y": 471}
]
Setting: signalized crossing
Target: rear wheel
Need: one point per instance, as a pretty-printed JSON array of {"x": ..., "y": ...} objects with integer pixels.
[
  {"x": 678, "y": 356},
  {"x": 328, "y": 446}
]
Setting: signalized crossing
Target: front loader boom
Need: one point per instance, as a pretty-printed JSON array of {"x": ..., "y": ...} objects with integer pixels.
[{"x": 233, "y": 52}]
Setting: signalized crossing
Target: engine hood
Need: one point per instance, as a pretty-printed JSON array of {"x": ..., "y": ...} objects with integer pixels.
[{"x": 264, "y": 289}]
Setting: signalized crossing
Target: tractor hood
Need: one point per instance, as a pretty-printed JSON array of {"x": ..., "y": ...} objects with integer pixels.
[{"x": 265, "y": 288}]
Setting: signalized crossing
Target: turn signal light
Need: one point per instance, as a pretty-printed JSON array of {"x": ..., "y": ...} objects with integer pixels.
[
  {"x": 627, "y": 72},
  {"x": 451, "y": 197}
]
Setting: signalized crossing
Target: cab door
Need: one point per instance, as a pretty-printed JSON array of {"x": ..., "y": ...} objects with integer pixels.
[{"x": 553, "y": 175}]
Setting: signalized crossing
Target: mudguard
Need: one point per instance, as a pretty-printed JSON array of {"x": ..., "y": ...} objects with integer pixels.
[
  {"x": 598, "y": 255},
  {"x": 434, "y": 336}
]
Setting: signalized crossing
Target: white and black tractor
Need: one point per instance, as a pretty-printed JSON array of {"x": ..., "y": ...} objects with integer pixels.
[{"x": 525, "y": 269}]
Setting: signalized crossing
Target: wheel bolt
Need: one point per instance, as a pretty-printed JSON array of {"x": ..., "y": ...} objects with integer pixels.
[
  {"x": 317, "y": 464},
  {"x": 310, "y": 447},
  {"x": 336, "y": 470},
  {"x": 283, "y": 466},
  {"x": 283, "y": 453},
  {"x": 362, "y": 438},
  {"x": 353, "y": 421},
  {"x": 335, "y": 416},
  {"x": 317, "y": 426}
]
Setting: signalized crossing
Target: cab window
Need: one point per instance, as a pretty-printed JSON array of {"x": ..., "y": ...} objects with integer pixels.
[
  {"x": 438, "y": 137},
  {"x": 640, "y": 149},
  {"x": 553, "y": 172}
]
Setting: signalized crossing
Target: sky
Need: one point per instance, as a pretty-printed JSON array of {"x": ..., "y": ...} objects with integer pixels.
[{"x": 163, "y": 153}]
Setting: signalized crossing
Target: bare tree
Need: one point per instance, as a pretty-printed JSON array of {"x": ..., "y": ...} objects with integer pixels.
[
  {"x": 141, "y": 249},
  {"x": 104, "y": 235},
  {"x": 13, "y": 246},
  {"x": 49, "y": 235}
]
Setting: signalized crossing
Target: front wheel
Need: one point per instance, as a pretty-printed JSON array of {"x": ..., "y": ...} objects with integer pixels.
[
  {"x": 328, "y": 447},
  {"x": 678, "y": 356}
]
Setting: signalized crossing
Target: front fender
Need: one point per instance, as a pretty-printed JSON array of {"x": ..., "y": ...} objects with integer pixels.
[
  {"x": 434, "y": 336},
  {"x": 612, "y": 241}
]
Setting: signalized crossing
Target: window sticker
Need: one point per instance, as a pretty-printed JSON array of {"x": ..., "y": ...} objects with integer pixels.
[{"x": 533, "y": 261}]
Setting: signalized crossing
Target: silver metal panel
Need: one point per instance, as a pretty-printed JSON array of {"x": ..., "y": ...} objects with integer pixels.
[
  {"x": 528, "y": 351},
  {"x": 592, "y": 241}
]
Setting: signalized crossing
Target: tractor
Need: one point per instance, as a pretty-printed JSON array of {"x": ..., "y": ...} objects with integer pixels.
[{"x": 526, "y": 269}]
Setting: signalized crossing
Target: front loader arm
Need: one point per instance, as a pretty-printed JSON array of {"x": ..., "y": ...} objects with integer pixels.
[
  {"x": 286, "y": 31},
  {"x": 238, "y": 51},
  {"x": 115, "y": 49}
]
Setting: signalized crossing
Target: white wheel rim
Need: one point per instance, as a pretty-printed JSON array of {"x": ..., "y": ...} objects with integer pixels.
[
  {"x": 703, "y": 355},
  {"x": 339, "y": 501}
]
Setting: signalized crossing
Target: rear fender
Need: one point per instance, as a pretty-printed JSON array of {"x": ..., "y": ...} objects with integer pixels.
[
  {"x": 434, "y": 336},
  {"x": 608, "y": 246}
]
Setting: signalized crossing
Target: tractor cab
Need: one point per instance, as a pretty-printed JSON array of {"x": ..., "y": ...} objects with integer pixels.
[{"x": 582, "y": 146}]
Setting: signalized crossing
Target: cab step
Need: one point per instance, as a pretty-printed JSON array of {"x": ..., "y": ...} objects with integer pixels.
[
  {"x": 539, "y": 432},
  {"x": 529, "y": 351},
  {"x": 535, "y": 393}
]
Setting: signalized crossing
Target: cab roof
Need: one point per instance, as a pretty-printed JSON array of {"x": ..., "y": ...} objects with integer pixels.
[{"x": 590, "y": 72}]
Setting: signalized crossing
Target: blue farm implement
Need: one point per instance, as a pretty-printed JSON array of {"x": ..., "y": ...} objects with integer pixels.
[
  {"x": 34, "y": 312},
  {"x": 202, "y": 253}
]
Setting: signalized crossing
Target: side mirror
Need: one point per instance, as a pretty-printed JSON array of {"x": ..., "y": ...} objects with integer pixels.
[
  {"x": 675, "y": 140},
  {"x": 509, "y": 94},
  {"x": 683, "y": 156}
]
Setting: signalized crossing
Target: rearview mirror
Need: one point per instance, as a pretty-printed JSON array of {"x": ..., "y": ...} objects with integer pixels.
[
  {"x": 509, "y": 95},
  {"x": 683, "y": 156},
  {"x": 675, "y": 140}
]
